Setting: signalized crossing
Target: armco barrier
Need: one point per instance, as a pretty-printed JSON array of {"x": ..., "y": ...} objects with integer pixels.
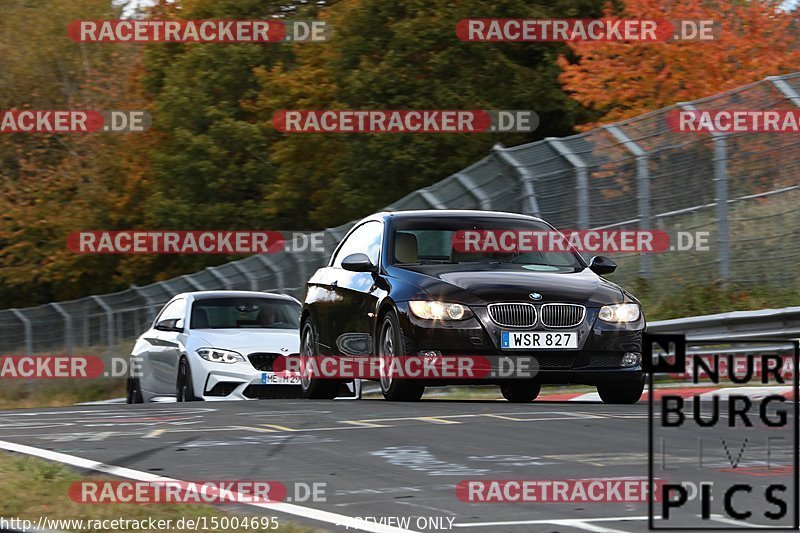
[{"x": 739, "y": 325}]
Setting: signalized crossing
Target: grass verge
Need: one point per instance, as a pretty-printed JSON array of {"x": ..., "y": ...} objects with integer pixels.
[{"x": 33, "y": 488}]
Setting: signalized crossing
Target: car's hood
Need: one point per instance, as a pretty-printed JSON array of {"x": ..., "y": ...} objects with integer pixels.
[
  {"x": 503, "y": 283},
  {"x": 247, "y": 341}
]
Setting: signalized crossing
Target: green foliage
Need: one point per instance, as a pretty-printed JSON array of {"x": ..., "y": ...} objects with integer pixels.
[
  {"x": 403, "y": 55},
  {"x": 663, "y": 302}
]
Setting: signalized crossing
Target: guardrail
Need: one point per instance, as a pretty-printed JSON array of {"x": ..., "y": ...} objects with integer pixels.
[
  {"x": 737, "y": 325},
  {"x": 735, "y": 189}
]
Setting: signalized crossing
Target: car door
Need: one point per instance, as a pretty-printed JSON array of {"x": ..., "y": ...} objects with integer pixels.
[
  {"x": 320, "y": 297},
  {"x": 166, "y": 351},
  {"x": 144, "y": 351},
  {"x": 357, "y": 293}
]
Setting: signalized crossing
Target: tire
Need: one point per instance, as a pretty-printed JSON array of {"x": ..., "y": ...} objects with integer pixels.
[
  {"x": 134, "y": 391},
  {"x": 390, "y": 342},
  {"x": 313, "y": 388},
  {"x": 185, "y": 386},
  {"x": 621, "y": 393},
  {"x": 521, "y": 392}
]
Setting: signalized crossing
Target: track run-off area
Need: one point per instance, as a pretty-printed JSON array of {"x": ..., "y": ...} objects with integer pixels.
[{"x": 376, "y": 459}]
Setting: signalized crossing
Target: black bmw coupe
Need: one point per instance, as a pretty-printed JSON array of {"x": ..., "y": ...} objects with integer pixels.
[{"x": 403, "y": 284}]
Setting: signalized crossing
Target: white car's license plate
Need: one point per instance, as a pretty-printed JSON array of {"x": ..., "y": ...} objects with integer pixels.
[
  {"x": 539, "y": 340},
  {"x": 270, "y": 378}
]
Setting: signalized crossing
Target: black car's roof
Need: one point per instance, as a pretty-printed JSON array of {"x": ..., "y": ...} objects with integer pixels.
[{"x": 444, "y": 213}]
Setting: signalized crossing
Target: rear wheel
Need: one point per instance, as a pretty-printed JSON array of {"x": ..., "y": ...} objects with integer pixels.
[
  {"x": 521, "y": 392},
  {"x": 313, "y": 388},
  {"x": 390, "y": 345},
  {"x": 621, "y": 393},
  {"x": 185, "y": 386}
]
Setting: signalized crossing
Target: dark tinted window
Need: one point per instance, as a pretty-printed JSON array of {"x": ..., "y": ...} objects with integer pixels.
[
  {"x": 230, "y": 313},
  {"x": 430, "y": 241}
]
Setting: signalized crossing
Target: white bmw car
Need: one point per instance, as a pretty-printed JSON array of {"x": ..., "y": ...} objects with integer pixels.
[{"x": 217, "y": 345}]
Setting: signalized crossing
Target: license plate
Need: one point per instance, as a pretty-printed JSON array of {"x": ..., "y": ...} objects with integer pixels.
[
  {"x": 270, "y": 378},
  {"x": 539, "y": 340}
]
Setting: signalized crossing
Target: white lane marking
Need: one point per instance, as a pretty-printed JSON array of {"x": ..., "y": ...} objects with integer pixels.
[
  {"x": 125, "y": 412},
  {"x": 738, "y": 523},
  {"x": 586, "y": 526},
  {"x": 104, "y": 402},
  {"x": 755, "y": 393},
  {"x": 284, "y": 413},
  {"x": 412, "y": 504},
  {"x": 119, "y": 471},
  {"x": 579, "y": 523}
]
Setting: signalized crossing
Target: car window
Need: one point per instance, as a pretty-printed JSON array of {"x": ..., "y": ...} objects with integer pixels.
[
  {"x": 366, "y": 239},
  {"x": 245, "y": 312},
  {"x": 173, "y": 311},
  {"x": 432, "y": 241}
]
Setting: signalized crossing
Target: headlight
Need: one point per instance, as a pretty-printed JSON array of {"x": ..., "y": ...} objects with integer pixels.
[
  {"x": 439, "y": 310},
  {"x": 620, "y": 313},
  {"x": 216, "y": 355}
]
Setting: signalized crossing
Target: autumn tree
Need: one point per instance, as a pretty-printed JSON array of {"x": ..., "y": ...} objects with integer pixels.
[
  {"x": 403, "y": 55},
  {"x": 618, "y": 80},
  {"x": 210, "y": 168},
  {"x": 53, "y": 184}
]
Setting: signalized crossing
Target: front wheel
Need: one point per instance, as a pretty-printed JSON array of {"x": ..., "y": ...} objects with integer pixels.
[
  {"x": 313, "y": 388},
  {"x": 626, "y": 393},
  {"x": 521, "y": 392},
  {"x": 134, "y": 391},
  {"x": 390, "y": 346},
  {"x": 185, "y": 386}
]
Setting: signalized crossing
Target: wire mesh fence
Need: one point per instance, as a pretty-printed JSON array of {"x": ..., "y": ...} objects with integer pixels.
[{"x": 743, "y": 189}]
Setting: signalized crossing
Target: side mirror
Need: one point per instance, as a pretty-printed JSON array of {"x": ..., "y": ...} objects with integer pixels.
[
  {"x": 358, "y": 263},
  {"x": 601, "y": 264},
  {"x": 171, "y": 324}
]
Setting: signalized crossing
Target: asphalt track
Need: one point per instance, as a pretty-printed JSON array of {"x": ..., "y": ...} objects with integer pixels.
[{"x": 382, "y": 459}]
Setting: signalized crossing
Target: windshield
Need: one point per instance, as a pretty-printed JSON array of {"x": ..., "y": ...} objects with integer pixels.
[
  {"x": 457, "y": 241},
  {"x": 232, "y": 313}
]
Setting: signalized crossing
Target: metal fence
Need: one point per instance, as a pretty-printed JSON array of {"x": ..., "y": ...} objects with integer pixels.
[{"x": 743, "y": 189}]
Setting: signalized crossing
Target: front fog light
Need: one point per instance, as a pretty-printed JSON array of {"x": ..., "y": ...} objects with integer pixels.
[{"x": 631, "y": 359}]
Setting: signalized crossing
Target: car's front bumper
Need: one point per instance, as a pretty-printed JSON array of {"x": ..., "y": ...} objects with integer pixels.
[
  {"x": 598, "y": 358},
  {"x": 238, "y": 381}
]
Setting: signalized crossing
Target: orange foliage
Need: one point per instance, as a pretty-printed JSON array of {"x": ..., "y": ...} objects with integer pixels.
[{"x": 620, "y": 80}]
